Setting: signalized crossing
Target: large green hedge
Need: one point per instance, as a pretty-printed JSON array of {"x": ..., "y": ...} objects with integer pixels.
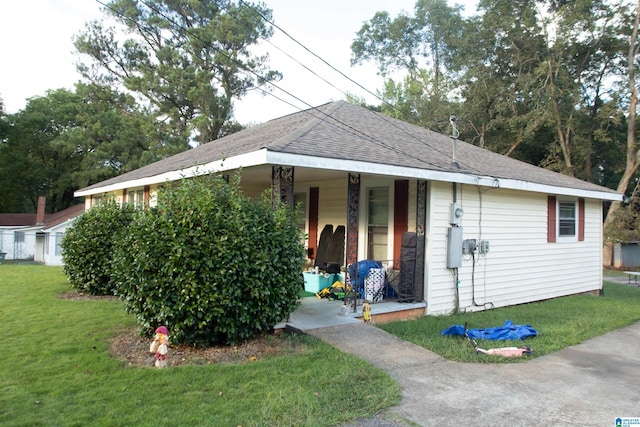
[
  {"x": 214, "y": 266},
  {"x": 87, "y": 247}
]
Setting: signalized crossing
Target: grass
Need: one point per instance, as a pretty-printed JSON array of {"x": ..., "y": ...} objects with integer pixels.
[
  {"x": 56, "y": 370},
  {"x": 560, "y": 323}
]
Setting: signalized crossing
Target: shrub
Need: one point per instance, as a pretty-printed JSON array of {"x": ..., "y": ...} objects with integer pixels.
[
  {"x": 88, "y": 245},
  {"x": 214, "y": 266}
]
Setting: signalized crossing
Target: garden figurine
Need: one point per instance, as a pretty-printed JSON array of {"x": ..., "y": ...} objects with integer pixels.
[
  {"x": 366, "y": 311},
  {"x": 160, "y": 346}
]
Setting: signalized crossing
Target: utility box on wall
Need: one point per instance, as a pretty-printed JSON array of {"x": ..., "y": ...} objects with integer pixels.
[
  {"x": 456, "y": 214},
  {"x": 454, "y": 247}
]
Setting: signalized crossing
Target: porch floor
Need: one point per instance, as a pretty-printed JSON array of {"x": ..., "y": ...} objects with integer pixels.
[{"x": 314, "y": 313}]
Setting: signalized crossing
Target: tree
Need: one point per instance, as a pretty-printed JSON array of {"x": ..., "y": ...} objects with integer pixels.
[
  {"x": 582, "y": 51},
  {"x": 67, "y": 140},
  {"x": 189, "y": 60},
  {"x": 33, "y": 160},
  {"x": 632, "y": 151},
  {"x": 532, "y": 79},
  {"x": 419, "y": 46}
]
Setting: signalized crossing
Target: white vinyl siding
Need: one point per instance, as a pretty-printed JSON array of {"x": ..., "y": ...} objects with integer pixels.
[
  {"x": 57, "y": 244},
  {"x": 520, "y": 266},
  {"x": 332, "y": 203}
]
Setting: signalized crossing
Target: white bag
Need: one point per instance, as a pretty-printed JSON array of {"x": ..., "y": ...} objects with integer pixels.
[{"x": 373, "y": 284}]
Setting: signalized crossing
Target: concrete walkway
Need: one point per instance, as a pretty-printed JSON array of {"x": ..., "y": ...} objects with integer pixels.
[{"x": 590, "y": 384}]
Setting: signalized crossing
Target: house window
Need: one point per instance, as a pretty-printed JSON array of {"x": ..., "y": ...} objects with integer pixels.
[
  {"x": 136, "y": 198},
  {"x": 58, "y": 249},
  {"x": 565, "y": 220},
  {"x": 19, "y": 237},
  {"x": 378, "y": 223}
]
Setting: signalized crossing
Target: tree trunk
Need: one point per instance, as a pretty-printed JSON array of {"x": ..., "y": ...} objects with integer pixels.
[
  {"x": 632, "y": 153},
  {"x": 563, "y": 138}
]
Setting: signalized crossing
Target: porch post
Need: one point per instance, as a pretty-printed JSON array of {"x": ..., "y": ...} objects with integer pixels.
[
  {"x": 353, "y": 209},
  {"x": 421, "y": 224},
  {"x": 282, "y": 185}
]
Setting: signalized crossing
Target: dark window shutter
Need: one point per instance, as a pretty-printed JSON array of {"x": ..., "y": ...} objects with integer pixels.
[
  {"x": 580, "y": 220},
  {"x": 551, "y": 219}
]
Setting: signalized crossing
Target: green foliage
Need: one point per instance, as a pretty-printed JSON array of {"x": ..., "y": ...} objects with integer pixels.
[
  {"x": 624, "y": 224},
  {"x": 88, "y": 247},
  {"x": 67, "y": 140},
  {"x": 210, "y": 263}
]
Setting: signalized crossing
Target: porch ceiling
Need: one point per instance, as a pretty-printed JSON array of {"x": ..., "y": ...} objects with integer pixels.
[{"x": 261, "y": 174}]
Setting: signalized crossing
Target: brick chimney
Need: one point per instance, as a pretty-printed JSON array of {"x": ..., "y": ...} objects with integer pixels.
[{"x": 42, "y": 200}]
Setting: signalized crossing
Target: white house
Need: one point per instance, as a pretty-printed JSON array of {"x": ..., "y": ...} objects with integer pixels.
[
  {"x": 489, "y": 231},
  {"x": 50, "y": 236},
  {"x": 35, "y": 237}
]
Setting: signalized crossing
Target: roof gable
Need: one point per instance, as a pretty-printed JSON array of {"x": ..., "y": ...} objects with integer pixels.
[{"x": 58, "y": 218}]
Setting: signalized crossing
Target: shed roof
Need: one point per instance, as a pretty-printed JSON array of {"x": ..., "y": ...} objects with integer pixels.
[{"x": 339, "y": 130}]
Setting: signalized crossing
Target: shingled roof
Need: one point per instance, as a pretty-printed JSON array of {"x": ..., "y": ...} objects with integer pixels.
[
  {"x": 50, "y": 220},
  {"x": 339, "y": 130}
]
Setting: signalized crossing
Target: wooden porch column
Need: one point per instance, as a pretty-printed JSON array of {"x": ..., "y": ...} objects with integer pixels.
[
  {"x": 353, "y": 209},
  {"x": 282, "y": 185},
  {"x": 421, "y": 225}
]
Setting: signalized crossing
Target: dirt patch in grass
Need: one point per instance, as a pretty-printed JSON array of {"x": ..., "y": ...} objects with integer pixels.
[
  {"x": 80, "y": 296},
  {"x": 133, "y": 349}
]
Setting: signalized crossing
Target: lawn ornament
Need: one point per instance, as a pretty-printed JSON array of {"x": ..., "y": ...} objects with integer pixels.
[
  {"x": 160, "y": 346},
  {"x": 366, "y": 311},
  {"x": 502, "y": 351},
  {"x": 506, "y": 351}
]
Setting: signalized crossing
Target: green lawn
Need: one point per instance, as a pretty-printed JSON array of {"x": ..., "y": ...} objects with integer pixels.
[
  {"x": 560, "y": 323},
  {"x": 56, "y": 370}
]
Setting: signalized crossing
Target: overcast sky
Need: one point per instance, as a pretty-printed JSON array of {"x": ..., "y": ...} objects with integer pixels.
[{"x": 38, "y": 54}]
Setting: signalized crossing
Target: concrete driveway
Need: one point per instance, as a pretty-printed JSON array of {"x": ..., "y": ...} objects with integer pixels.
[{"x": 590, "y": 384}]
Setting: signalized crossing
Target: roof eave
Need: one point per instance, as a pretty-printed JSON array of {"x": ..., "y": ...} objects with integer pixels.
[
  {"x": 266, "y": 157},
  {"x": 255, "y": 158},
  {"x": 432, "y": 175}
]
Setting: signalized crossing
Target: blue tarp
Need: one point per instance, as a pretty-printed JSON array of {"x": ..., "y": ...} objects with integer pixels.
[{"x": 508, "y": 331}]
